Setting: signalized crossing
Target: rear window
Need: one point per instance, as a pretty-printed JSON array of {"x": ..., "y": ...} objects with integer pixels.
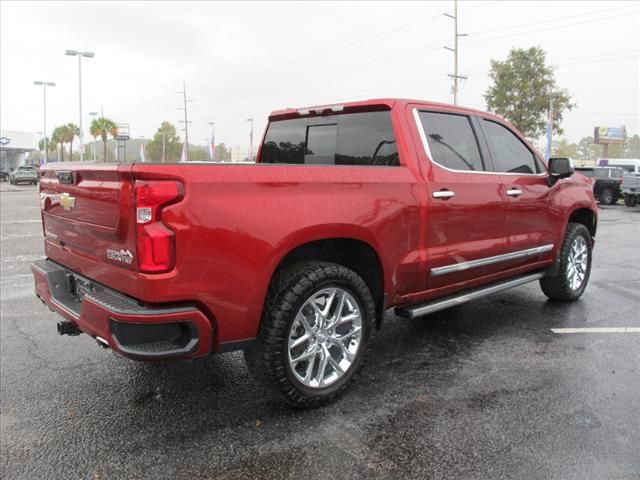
[
  {"x": 616, "y": 173},
  {"x": 586, "y": 173},
  {"x": 451, "y": 140},
  {"x": 349, "y": 139},
  {"x": 602, "y": 173}
]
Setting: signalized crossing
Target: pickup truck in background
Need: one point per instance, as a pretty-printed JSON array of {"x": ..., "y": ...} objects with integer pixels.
[
  {"x": 606, "y": 182},
  {"x": 349, "y": 211},
  {"x": 630, "y": 189}
]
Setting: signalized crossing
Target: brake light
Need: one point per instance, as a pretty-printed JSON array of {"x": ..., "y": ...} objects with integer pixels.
[{"x": 155, "y": 241}]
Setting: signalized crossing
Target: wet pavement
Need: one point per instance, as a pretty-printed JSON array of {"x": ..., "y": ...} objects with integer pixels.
[{"x": 480, "y": 391}]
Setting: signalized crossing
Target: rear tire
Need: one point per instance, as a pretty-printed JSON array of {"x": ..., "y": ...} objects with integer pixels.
[
  {"x": 606, "y": 197},
  {"x": 630, "y": 200},
  {"x": 308, "y": 351},
  {"x": 575, "y": 266}
]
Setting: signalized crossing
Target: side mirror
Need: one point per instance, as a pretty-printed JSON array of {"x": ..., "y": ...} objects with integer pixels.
[{"x": 560, "y": 167}]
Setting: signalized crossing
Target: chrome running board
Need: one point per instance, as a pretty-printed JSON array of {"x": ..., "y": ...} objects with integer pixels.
[{"x": 466, "y": 296}]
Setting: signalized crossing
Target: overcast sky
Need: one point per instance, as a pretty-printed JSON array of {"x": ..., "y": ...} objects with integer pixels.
[{"x": 242, "y": 60}]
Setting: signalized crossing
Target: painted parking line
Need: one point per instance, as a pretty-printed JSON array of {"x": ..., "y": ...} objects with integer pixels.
[{"x": 597, "y": 330}]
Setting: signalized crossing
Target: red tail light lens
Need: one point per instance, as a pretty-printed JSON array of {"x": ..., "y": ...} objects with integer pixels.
[{"x": 155, "y": 241}]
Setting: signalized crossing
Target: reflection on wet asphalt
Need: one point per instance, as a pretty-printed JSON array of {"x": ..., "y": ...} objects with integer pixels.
[{"x": 483, "y": 390}]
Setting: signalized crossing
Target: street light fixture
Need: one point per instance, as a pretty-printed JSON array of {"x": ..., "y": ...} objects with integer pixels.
[
  {"x": 44, "y": 130},
  {"x": 250, "y": 140},
  {"x": 76, "y": 53}
]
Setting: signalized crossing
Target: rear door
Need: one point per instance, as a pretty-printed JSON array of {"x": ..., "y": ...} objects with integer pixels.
[
  {"x": 466, "y": 203},
  {"x": 531, "y": 224}
]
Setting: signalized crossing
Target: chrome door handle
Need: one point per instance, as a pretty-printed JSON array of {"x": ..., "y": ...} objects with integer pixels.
[
  {"x": 514, "y": 192},
  {"x": 443, "y": 194}
]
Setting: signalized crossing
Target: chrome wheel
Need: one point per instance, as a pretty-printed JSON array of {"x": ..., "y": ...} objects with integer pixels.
[
  {"x": 325, "y": 337},
  {"x": 578, "y": 262}
]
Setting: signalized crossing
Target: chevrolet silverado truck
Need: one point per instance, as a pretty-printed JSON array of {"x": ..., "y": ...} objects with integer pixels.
[{"x": 350, "y": 210}]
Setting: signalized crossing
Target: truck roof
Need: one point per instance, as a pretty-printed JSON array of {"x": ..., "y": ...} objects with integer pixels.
[{"x": 365, "y": 104}]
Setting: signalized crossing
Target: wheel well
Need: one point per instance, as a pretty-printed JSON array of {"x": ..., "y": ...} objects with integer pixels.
[
  {"x": 353, "y": 254},
  {"x": 585, "y": 217}
]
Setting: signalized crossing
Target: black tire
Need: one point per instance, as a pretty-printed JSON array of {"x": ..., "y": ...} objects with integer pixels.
[
  {"x": 268, "y": 357},
  {"x": 558, "y": 287},
  {"x": 630, "y": 200},
  {"x": 607, "y": 197}
]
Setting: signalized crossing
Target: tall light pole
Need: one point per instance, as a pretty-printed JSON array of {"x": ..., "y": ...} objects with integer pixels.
[
  {"x": 44, "y": 130},
  {"x": 250, "y": 140},
  {"x": 212, "y": 140},
  {"x": 75, "y": 53},
  {"x": 93, "y": 143}
]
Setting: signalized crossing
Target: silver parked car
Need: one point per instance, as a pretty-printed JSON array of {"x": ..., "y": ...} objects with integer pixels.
[{"x": 24, "y": 174}]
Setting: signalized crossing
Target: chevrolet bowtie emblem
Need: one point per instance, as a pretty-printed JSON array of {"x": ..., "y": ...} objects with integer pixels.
[{"x": 67, "y": 201}]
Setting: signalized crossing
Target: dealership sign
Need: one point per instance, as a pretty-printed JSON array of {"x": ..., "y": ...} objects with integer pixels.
[{"x": 606, "y": 135}]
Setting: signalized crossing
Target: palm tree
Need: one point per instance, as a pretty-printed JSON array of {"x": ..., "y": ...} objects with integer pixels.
[
  {"x": 58, "y": 137},
  {"x": 71, "y": 130},
  {"x": 103, "y": 127}
]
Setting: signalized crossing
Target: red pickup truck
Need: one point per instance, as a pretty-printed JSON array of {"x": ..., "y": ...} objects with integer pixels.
[{"x": 350, "y": 210}]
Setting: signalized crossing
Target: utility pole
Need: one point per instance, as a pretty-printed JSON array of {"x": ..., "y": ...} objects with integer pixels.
[
  {"x": 456, "y": 76},
  {"x": 185, "y": 121}
]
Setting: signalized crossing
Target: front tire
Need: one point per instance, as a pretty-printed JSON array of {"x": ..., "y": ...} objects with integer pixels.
[
  {"x": 317, "y": 320},
  {"x": 575, "y": 266}
]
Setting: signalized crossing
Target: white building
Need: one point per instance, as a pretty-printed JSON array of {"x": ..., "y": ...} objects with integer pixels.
[{"x": 14, "y": 147}]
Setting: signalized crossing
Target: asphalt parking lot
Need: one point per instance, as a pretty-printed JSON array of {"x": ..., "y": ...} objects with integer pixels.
[{"x": 481, "y": 391}]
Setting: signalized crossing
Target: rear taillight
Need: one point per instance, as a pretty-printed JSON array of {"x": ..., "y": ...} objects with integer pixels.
[{"x": 155, "y": 241}]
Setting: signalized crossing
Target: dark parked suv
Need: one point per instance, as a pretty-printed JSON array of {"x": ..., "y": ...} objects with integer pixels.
[{"x": 606, "y": 182}]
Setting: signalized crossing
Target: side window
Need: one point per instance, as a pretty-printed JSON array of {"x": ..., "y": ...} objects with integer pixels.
[
  {"x": 349, "y": 139},
  {"x": 451, "y": 140},
  {"x": 509, "y": 153},
  {"x": 284, "y": 142}
]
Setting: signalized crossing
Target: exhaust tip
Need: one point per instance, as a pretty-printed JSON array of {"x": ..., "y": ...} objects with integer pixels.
[{"x": 102, "y": 343}]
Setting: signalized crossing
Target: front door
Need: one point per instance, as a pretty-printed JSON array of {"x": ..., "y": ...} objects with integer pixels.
[{"x": 529, "y": 226}]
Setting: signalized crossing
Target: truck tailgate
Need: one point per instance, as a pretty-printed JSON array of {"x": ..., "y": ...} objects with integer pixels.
[{"x": 87, "y": 214}]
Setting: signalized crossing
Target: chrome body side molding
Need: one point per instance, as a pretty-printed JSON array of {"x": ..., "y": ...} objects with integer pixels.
[{"x": 481, "y": 262}]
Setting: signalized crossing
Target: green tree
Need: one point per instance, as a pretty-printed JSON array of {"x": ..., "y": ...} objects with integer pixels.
[
  {"x": 223, "y": 154},
  {"x": 70, "y": 132},
  {"x": 172, "y": 144},
  {"x": 632, "y": 147},
  {"x": 198, "y": 154},
  {"x": 521, "y": 90},
  {"x": 103, "y": 127},
  {"x": 562, "y": 148},
  {"x": 59, "y": 137}
]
